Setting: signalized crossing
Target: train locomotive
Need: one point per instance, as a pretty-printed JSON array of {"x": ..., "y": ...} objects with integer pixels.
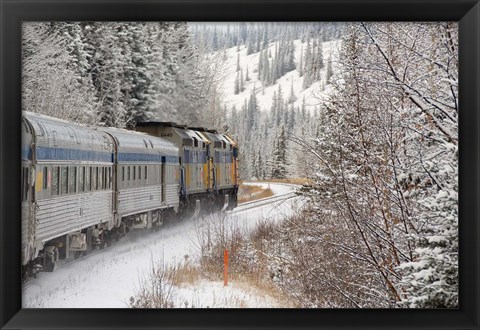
[{"x": 84, "y": 188}]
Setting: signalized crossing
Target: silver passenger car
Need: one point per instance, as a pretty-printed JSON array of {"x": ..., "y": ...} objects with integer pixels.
[
  {"x": 66, "y": 185},
  {"x": 147, "y": 177}
]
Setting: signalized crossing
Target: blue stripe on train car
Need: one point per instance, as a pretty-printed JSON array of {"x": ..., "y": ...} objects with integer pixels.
[
  {"x": 139, "y": 157},
  {"x": 170, "y": 159},
  {"x": 49, "y": 153}
]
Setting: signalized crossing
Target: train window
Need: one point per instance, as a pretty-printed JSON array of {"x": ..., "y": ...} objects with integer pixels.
[
  {"x": 88, "y": 176},
  {"x": 93, "y": 178},
  {"x": 140, "y": 173},
  {"x": 81, "y": 179},
  {"x": 104, "y": 176},
  {"x": 128, "y": 173},
  {"x": 109, "y": 178},
  {"x": 134, "y": 172},
  {"x": 55, "y": 180},
  {"x": 45, "y": 177},
  {"x": 99, "y": 178},
  {"x": 195, "y": 142},
  {"x": 105, "y": 179},
  {"x": 105, "y": 172},
  {"x": 64, "y": 180},
  {"x": 145, "y": 172},
  {"x": 72, "y": 179},
  {"x": 123, "y": 173},
  {"x": 101, "y": 172}
]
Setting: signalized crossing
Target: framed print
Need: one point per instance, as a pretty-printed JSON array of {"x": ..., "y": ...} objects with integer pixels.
[{"x": 355, "y": 122}]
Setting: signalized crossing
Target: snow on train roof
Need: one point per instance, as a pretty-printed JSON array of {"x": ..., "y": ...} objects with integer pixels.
[
  {"x": 218, "y": 138},
  {"x": 196, "y": 135},
  {"x": 140, "y": 141}
]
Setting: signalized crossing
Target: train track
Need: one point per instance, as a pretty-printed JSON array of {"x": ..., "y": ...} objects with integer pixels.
[
  {"x": 263, "y": 201},
  {"x": 280, "y": 198}
]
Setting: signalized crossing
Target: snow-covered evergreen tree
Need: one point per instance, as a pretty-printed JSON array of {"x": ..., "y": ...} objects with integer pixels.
[
  {"x": 279, "y": 161},
  {"x": 387, "y": 156},
  {"x": 55, "y": 78}
]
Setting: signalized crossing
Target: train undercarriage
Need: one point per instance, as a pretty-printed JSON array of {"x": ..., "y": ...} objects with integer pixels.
[
  {"x": 80, "y": 243},
  {"x": 77, "y": 244}
]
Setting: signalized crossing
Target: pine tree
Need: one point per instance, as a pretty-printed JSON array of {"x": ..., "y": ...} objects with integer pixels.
[
  {"x": 261, "y": 169},
  {"x": 55, "y": 67},
  {"x": 280, "y": 106},
  {"x": 242, "y": 83},
  {"x": 215, "y": 43},
  {"x": 292, "y": 98},
  {"x": 254, "y": 166},
  {"x": 236, "y": 87},
  {"x": 279, "y": 170},
  {"x": 329, "y": 69},
  {"x": 307, "y": 72}
]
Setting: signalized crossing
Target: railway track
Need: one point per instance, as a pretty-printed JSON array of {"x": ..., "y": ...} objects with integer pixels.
[{"x": 263, "y": 201}]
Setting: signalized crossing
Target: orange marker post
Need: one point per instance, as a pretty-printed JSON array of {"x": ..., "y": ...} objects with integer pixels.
[{"x": 225, "y": 267}]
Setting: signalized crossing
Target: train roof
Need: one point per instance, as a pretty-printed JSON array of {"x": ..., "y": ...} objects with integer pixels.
[
  {"x": 160, "y": 124},
  {"x": 219, "y": 140},
  {"x": 69, "y": 140},
  {"x": 187, "y": 134},
  {"x": 138, "y": 142}
]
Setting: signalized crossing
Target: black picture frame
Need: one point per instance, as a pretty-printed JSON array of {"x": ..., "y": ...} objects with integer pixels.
[{"x": 13, "y": 12}]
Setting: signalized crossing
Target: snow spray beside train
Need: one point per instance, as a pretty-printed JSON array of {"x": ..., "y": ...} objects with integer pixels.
[{"x": 85, "y": 187}]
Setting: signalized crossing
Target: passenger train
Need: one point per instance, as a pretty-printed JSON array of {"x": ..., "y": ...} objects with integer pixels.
[{"x": 85, "y": 187}]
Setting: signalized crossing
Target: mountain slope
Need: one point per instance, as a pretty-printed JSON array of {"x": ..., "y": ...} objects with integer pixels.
[{"x": 264, "y": 94}]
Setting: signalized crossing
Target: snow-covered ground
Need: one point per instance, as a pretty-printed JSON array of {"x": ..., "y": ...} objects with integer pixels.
[
  {"x": 109, "y": 278},
  {"x": 213, "y": 294}
]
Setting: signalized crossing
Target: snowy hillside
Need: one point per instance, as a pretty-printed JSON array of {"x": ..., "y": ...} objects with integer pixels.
[{"x": 265, "y": 93}]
